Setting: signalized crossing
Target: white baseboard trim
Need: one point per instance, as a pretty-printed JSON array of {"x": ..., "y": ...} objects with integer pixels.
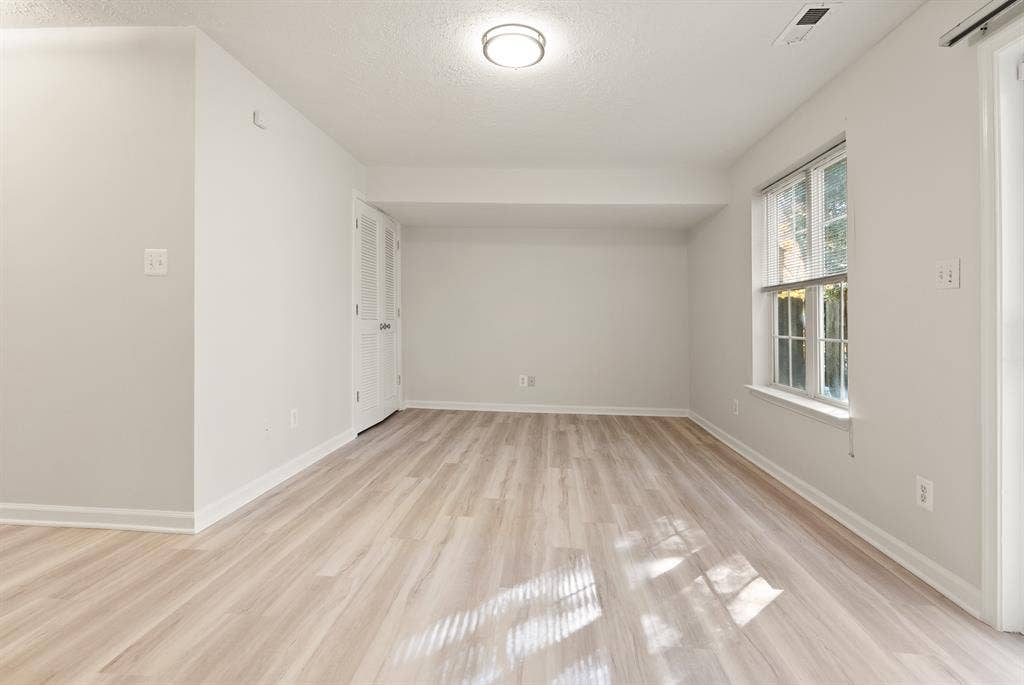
[
  {"x": 238, "y": 498},
  {"x": 545, "y": 408},
  {"x": 61, "y": 516},
  {"x": 958, "y": 590},
  {"x": 156, "y": 521}
]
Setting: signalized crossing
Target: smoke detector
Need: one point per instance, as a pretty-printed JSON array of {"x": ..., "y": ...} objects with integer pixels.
[{"x": 805, "y": 20}]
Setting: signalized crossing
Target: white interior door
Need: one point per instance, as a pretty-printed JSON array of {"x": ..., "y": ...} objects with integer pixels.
[
  {"x": 376, "y": 334},
  {"x": 389, "y": 315}
]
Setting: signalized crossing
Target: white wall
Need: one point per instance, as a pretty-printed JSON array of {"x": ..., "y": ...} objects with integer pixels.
[
  {"x": 96, "y": 128},
  {"x": 273, "y": 279},
  {"x": 598, "y": 316},
  {"x": 910, "y": 113}
]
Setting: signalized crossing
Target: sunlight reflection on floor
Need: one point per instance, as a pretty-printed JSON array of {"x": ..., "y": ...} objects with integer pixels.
[
  {"x": 660, "y": 566},
  {"x": 731, "y": 575},
  {"x": 565, "y": 618},
  {"x": 590, "y": 670},
  {"x": 660, "y": 636},
  {"x": 732, "y": 580},
  {"x": 751, "y": 600},
  {"x": 567, "y": 598},
  {"x": 487, "y": 643},
  {"x": 559, "y": 586}
]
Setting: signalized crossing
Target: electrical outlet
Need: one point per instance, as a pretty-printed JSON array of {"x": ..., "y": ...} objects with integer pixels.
[
  {"x": 531, "y": 381},
  {"x": 925, "y": 494},
  {"x": 736, "y": 407},
  {"x": 522, "y": 381},
  {"x": 154, "y": 262},
  {"x": 293, "y": 418},
  {"x": 947, "y": 274}
]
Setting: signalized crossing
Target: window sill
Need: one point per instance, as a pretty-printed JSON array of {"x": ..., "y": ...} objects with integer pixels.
[{"x": 837, "y": 417}]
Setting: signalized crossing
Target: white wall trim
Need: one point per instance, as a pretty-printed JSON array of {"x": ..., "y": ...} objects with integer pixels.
[
  {"x": 958, "y": 590},
  {"x": 238, "y": 498},
  {"x": 61, "y": 516},
  {"x": 1002, "y": 388},
  {"x": 157, "y": 521},
  {"x": 546, "y": 408}
]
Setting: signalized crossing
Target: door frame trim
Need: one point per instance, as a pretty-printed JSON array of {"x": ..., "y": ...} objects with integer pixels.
[{"x": 1002, "y": 476}]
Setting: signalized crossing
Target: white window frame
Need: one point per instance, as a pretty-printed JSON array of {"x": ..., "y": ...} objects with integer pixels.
[
  {"x": 814, "y": 324},
  {"x": 815, "y": 345}
]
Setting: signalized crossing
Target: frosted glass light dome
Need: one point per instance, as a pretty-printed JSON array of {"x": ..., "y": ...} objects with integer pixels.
[{"x": 514, "y": 46}]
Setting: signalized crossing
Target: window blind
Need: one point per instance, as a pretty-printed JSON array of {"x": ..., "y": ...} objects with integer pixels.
[{"x": 806, "y": 224}]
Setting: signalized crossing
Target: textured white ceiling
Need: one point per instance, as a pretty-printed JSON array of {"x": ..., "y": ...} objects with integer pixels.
[{"x": 623, "y": 83}]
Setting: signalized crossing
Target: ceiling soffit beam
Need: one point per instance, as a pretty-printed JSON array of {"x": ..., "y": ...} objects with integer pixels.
[{"x": 547, "y": 186}]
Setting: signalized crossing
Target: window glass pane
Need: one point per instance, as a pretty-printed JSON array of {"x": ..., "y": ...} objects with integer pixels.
[
  {"x": 782, "y": 306},
  {"x": 797, "y": 311},
  {"x": 835, "y": 190},
  {"x": 832, "y": 374},
  {"x": 835, "y": 246},
  {"x": 794, "y": 244},
  {"x": 783, "y": 353},
  {"x": 846, "y": 372},
  {"x": 799, "y": 364},
  {"x": 846, "y": 309},
  {"x": 831, "y": 307},
  {"x": 834, "y": 219}
]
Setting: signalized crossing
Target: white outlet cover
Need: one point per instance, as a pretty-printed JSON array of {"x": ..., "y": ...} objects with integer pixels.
[
  {"x": 293, "y": 418},
  {"x": 924, "y": 493},
  {"x": 522, "y": 381},
  {"x": 947, "y": 274},
  {"x": 154, "y": 262}
]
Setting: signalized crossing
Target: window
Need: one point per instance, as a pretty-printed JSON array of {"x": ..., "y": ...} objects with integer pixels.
[
  {"x": 832, "y": 342},
  {"x": 805, "y": 265}
]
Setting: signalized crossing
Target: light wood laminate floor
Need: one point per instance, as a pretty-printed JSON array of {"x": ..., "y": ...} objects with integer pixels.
[{"x": 463, "y": 547}]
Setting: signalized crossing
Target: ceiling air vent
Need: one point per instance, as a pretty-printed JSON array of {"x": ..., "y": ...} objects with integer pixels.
[
  {"x": 812, "y": 16},
  {"x": 800, "y": 27}
]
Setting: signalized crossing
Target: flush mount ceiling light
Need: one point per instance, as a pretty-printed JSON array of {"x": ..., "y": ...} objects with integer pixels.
[{"x": 514, "y": 46}]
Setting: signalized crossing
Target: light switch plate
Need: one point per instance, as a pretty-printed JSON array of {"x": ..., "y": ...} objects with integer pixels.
[
  {"x": 947, "y": 274},
  {"x": 154, "y": 262}
]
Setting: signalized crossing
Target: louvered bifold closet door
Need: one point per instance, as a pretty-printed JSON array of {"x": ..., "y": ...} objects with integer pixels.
[
  {"x": 369, "y": 331},
  {"x": 389, "y": 315}
]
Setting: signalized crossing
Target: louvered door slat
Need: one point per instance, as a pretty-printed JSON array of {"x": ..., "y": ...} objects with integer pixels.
[
  {"x": 369, "y": 371},
  {"x": 388, "y": 359},
  {"x": 369, "y": 275},
  {"x": 390, "y": 280}
]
